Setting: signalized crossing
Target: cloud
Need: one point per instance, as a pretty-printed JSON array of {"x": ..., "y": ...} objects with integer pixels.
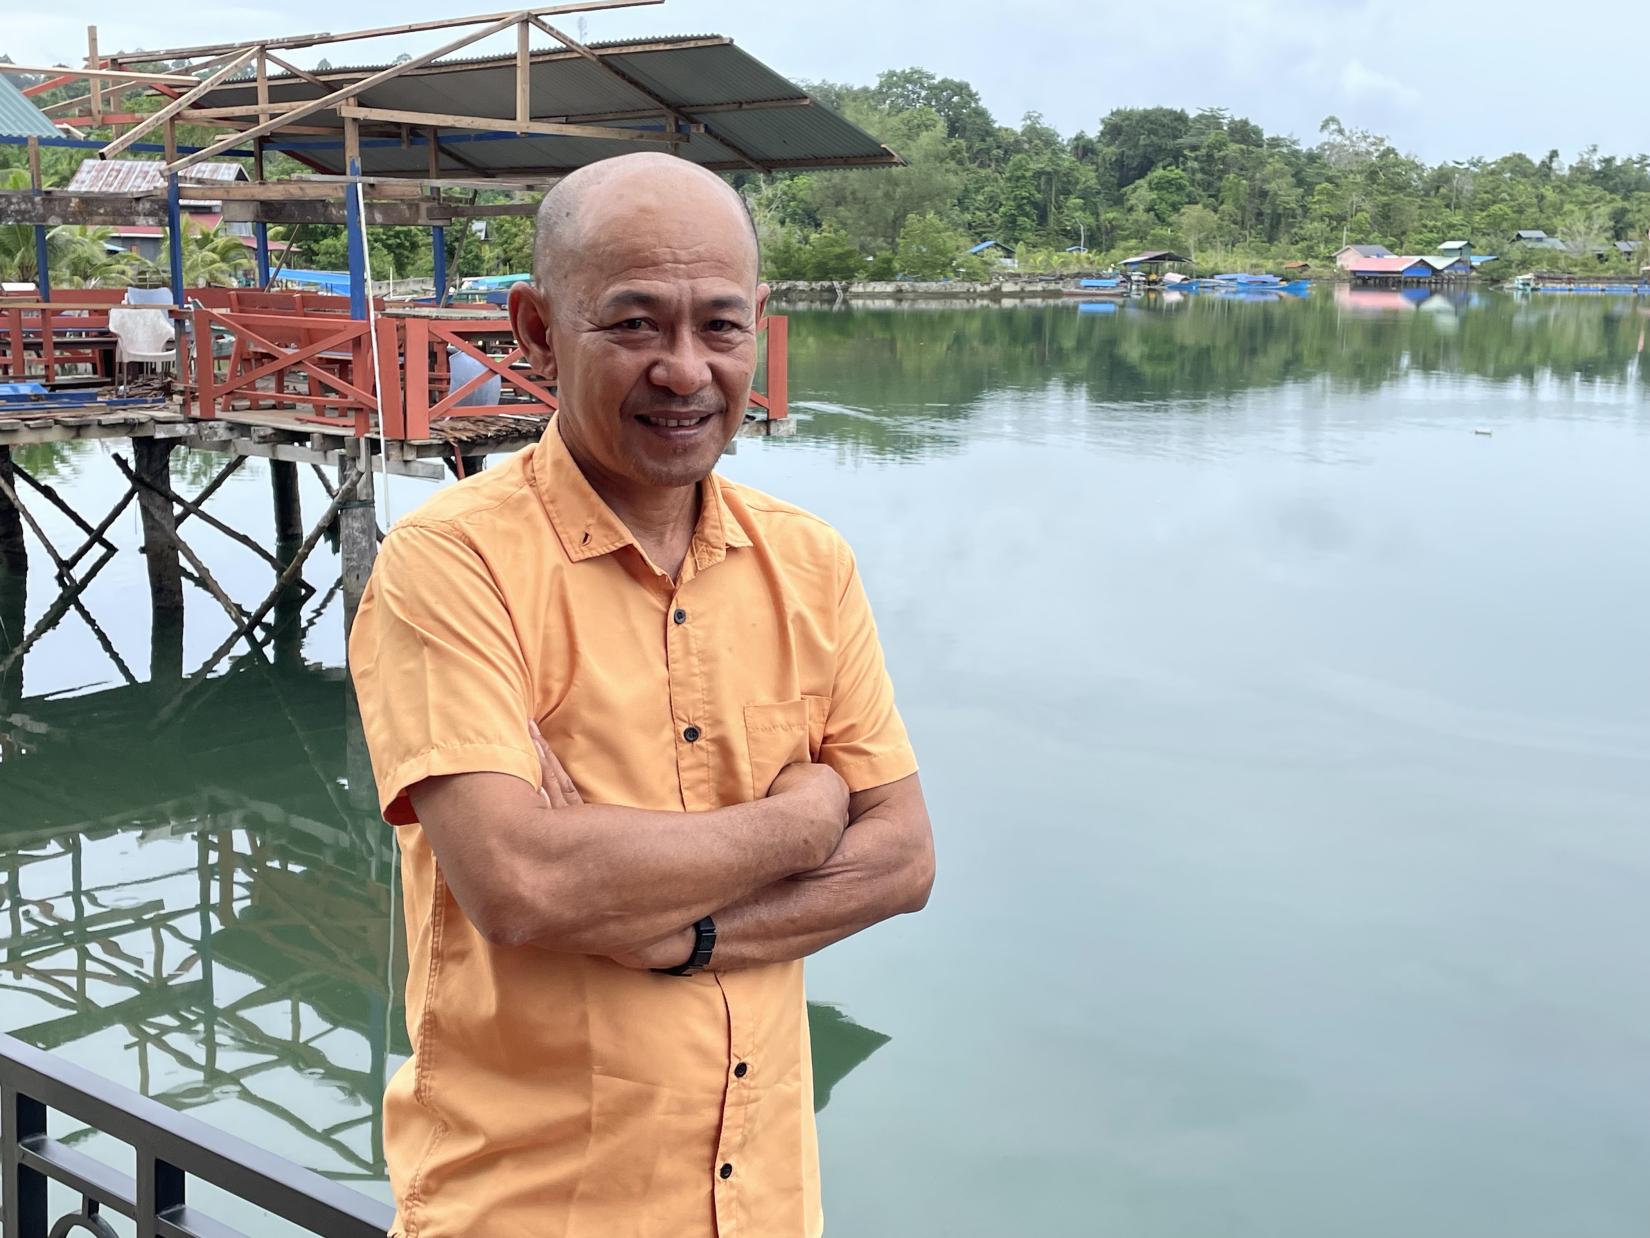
[{"x": 1360, "y": 83}]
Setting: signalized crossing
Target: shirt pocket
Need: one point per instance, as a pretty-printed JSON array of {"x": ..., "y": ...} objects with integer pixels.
[{"x": 781, "y": 734}]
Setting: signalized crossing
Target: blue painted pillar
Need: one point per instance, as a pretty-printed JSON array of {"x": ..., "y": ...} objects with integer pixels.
[
  {"x": 357, "y": 238},
  {"x": 260, "y": 233},
  {"x": 438, "y": 243},
  {"x": 42, "y": 262},
  {"x": 174, "y": 236}
]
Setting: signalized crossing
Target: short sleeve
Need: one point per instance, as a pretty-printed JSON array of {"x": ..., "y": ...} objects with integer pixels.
[
  {"x": 439, "y": 674},
  {"x": 864, "y": 740}
]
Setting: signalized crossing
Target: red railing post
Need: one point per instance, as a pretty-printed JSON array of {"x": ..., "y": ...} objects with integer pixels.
[
  {"x": 416, "y": 414},
  {"x": 392, "y": 419},
  {"x": 205, "y": 374},
  {"x": 779, "y": 375}
]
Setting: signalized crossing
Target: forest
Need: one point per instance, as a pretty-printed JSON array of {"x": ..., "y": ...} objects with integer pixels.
[{"x": 1212, "y": 185}]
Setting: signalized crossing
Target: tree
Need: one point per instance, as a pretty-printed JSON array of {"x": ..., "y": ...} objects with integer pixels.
[
  {"x": 1195, "y": 224},
  {"x": 929, "y": 248}
]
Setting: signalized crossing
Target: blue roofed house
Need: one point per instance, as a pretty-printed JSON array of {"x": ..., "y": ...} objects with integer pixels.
[
  {"x": 1535, "y": 238},
  {"x": 1004, "y": 254}
]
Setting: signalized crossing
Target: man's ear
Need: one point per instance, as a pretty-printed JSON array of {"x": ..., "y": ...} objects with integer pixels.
[
  {"x": 762, "y": 291},
  {"x": 530, "y": 320}
]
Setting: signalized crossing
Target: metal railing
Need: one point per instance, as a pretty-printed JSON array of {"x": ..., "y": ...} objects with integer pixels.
[{"x": 170, "y": 1148}]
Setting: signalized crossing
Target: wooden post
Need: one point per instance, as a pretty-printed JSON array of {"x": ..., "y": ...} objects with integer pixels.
[
  {"x": 152, "y": 461},
  {"x": 92, "y": 62},
  {"x": 289, "y": 535},
  {"x": 524, "y": 74},
  {"x": 357, "y": 538}
]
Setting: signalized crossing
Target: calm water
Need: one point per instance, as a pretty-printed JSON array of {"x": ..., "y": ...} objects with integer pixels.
[{"x": 1281, "y": 676}]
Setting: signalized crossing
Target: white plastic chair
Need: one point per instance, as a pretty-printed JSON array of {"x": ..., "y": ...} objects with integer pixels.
[{"x": 144, "y": 337}]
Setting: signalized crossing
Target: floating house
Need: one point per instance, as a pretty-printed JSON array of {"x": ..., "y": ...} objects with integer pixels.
[
  {"x": 1535, "y": 238},
  {"x": 1393, "y": 272},
  {"x": 1446, "y": 265},
  {"x": 1456, "y": 249},
  {"x": 1349, "y": 256}
]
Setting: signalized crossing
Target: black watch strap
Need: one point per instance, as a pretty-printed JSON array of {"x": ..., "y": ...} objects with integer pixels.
[{"x": 704, "y": 942}]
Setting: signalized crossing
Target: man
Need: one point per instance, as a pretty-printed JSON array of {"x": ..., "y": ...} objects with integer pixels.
[{"x": 633, "y": 724}]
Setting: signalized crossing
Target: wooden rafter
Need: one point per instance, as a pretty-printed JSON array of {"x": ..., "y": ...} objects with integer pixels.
[
  {"x": 348, "y": 92},
  {"x": 292, "y": 42},
  {"x": 228, "y": 69},
  {"x": 492, "y": 124}
]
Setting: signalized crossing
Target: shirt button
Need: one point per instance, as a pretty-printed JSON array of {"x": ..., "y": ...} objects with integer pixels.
[
  {"x": 680, "y": 616},
  {"x": 739, "y": 1070},
  {"x": 692, "y": 734},
  {"x": 726, "y": 1171}
]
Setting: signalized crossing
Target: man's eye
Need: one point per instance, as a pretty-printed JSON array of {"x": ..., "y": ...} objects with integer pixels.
[
  {"x": 721, "y": 326},
  {"x": 632, "y": 324}
]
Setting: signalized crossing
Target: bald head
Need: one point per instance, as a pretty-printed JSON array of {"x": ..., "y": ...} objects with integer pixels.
[{"x": 613, "y": 192}]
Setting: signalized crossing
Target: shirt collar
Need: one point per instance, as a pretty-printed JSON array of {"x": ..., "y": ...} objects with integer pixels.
[{"x": 587, "y": 527}]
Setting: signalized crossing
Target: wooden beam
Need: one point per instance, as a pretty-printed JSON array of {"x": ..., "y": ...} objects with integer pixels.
[
  {"x": 498, "y": 124},
  {"x": 293, "y": 69},
  {"x": 54, "y": 207},
  {"x": 316, "y": 40},
  {"x": 300, "y": 190},
  {"x": 263, "y": 96},
  {"x": 35, "y": 181},
  {"x": 432, "y": 144},
  {"x": 338, "y": 96},
  {"x": 165, "y": 114},
  {"x": 113, "y": 75},
  {"x": 92, "y": 62},
  {"x": 418, "y": 214},
  {"x": 524, "y": 70}
]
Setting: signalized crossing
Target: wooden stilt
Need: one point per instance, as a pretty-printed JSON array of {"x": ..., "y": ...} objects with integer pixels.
[
  {"x": 289, "y": 532},
  {"x": 358, "y": 540},
  {"x": 14, "y": 552},
  {"x": 153, "y": 463}
]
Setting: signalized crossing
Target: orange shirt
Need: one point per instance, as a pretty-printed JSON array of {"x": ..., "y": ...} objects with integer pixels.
[{"x": 563, "y": 1096}]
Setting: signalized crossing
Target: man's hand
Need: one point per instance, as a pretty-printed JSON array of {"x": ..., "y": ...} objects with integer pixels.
[
  {"x": 820, "y": 798},
  {"x": 554, "y": 784}
]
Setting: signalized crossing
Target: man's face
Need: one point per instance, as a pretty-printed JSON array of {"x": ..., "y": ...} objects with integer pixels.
[{"x": 650, "y": 331}]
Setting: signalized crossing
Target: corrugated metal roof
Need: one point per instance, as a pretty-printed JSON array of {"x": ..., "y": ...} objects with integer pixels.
[
  {"x": 19, "y": 117},
  {"x": 763, "y": 118},
  {"x": 1385, "y": 266},
  {"x": 143, "y": 175}
]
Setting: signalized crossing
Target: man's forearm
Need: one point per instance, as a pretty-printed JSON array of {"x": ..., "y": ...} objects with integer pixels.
[
  {"x": 883, "y": 867},
  {"x": 603, "y": 879}
]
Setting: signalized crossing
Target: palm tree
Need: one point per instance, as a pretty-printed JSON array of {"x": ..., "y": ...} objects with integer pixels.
[
  {"x": 79, "y": 257},
  {"x": 212, "y": 258}
]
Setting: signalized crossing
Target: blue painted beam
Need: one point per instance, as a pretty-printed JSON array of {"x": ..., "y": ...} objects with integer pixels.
[
  {"x": 357, "y": 244},
  {"x": 174, "y": 236},
  {"x": 42, "y": 263},
  {"x": 438, "y": 246},
  {"x": 149, "y": 148},
  {"x": 260, "y": 233}
]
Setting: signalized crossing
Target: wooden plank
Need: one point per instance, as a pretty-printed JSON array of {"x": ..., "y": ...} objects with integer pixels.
[
  {"x": 224, "y": 71},
  {"x": 55, "y": 207},
  {"x": 524, "y": 71},
  {"x": 315, "y": 40},
  {"x": 92, "y": 62},
  {"x": 498, "y": 124},
  {"x": 379, "y": 214},
  {"x": 36, "y": 182},
  {"x": 301, "y": 189},
  {"x": 112, "y": 75}
]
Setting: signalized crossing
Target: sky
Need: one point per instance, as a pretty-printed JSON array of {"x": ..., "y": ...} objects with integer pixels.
[{"x": 1443, "y": 79}]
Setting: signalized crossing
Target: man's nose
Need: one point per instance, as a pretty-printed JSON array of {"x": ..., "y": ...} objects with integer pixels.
[{"x": 681, "y": 367}]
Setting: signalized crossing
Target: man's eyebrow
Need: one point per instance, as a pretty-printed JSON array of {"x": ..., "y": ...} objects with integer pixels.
[{"x": 636, "y": 299}]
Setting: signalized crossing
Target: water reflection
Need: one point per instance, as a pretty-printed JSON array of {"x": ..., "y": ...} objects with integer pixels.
[
  {"x": 198, "y": 900},
  {"x": 905, "y": 383}
]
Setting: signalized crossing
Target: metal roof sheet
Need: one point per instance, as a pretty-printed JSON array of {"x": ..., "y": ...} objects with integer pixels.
[
  {"x": 751, "y": 113},
  {"x": 19, "y": 117},
  {"x": 1385, "y": 266},
  {"x": 143, "y": 175}
]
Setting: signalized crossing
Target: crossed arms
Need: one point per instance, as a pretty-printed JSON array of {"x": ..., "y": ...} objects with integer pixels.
[{"x": 784, "y": 876}]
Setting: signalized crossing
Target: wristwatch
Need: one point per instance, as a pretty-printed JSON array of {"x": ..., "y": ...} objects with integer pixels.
[{"x": 704, "y": 941}]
